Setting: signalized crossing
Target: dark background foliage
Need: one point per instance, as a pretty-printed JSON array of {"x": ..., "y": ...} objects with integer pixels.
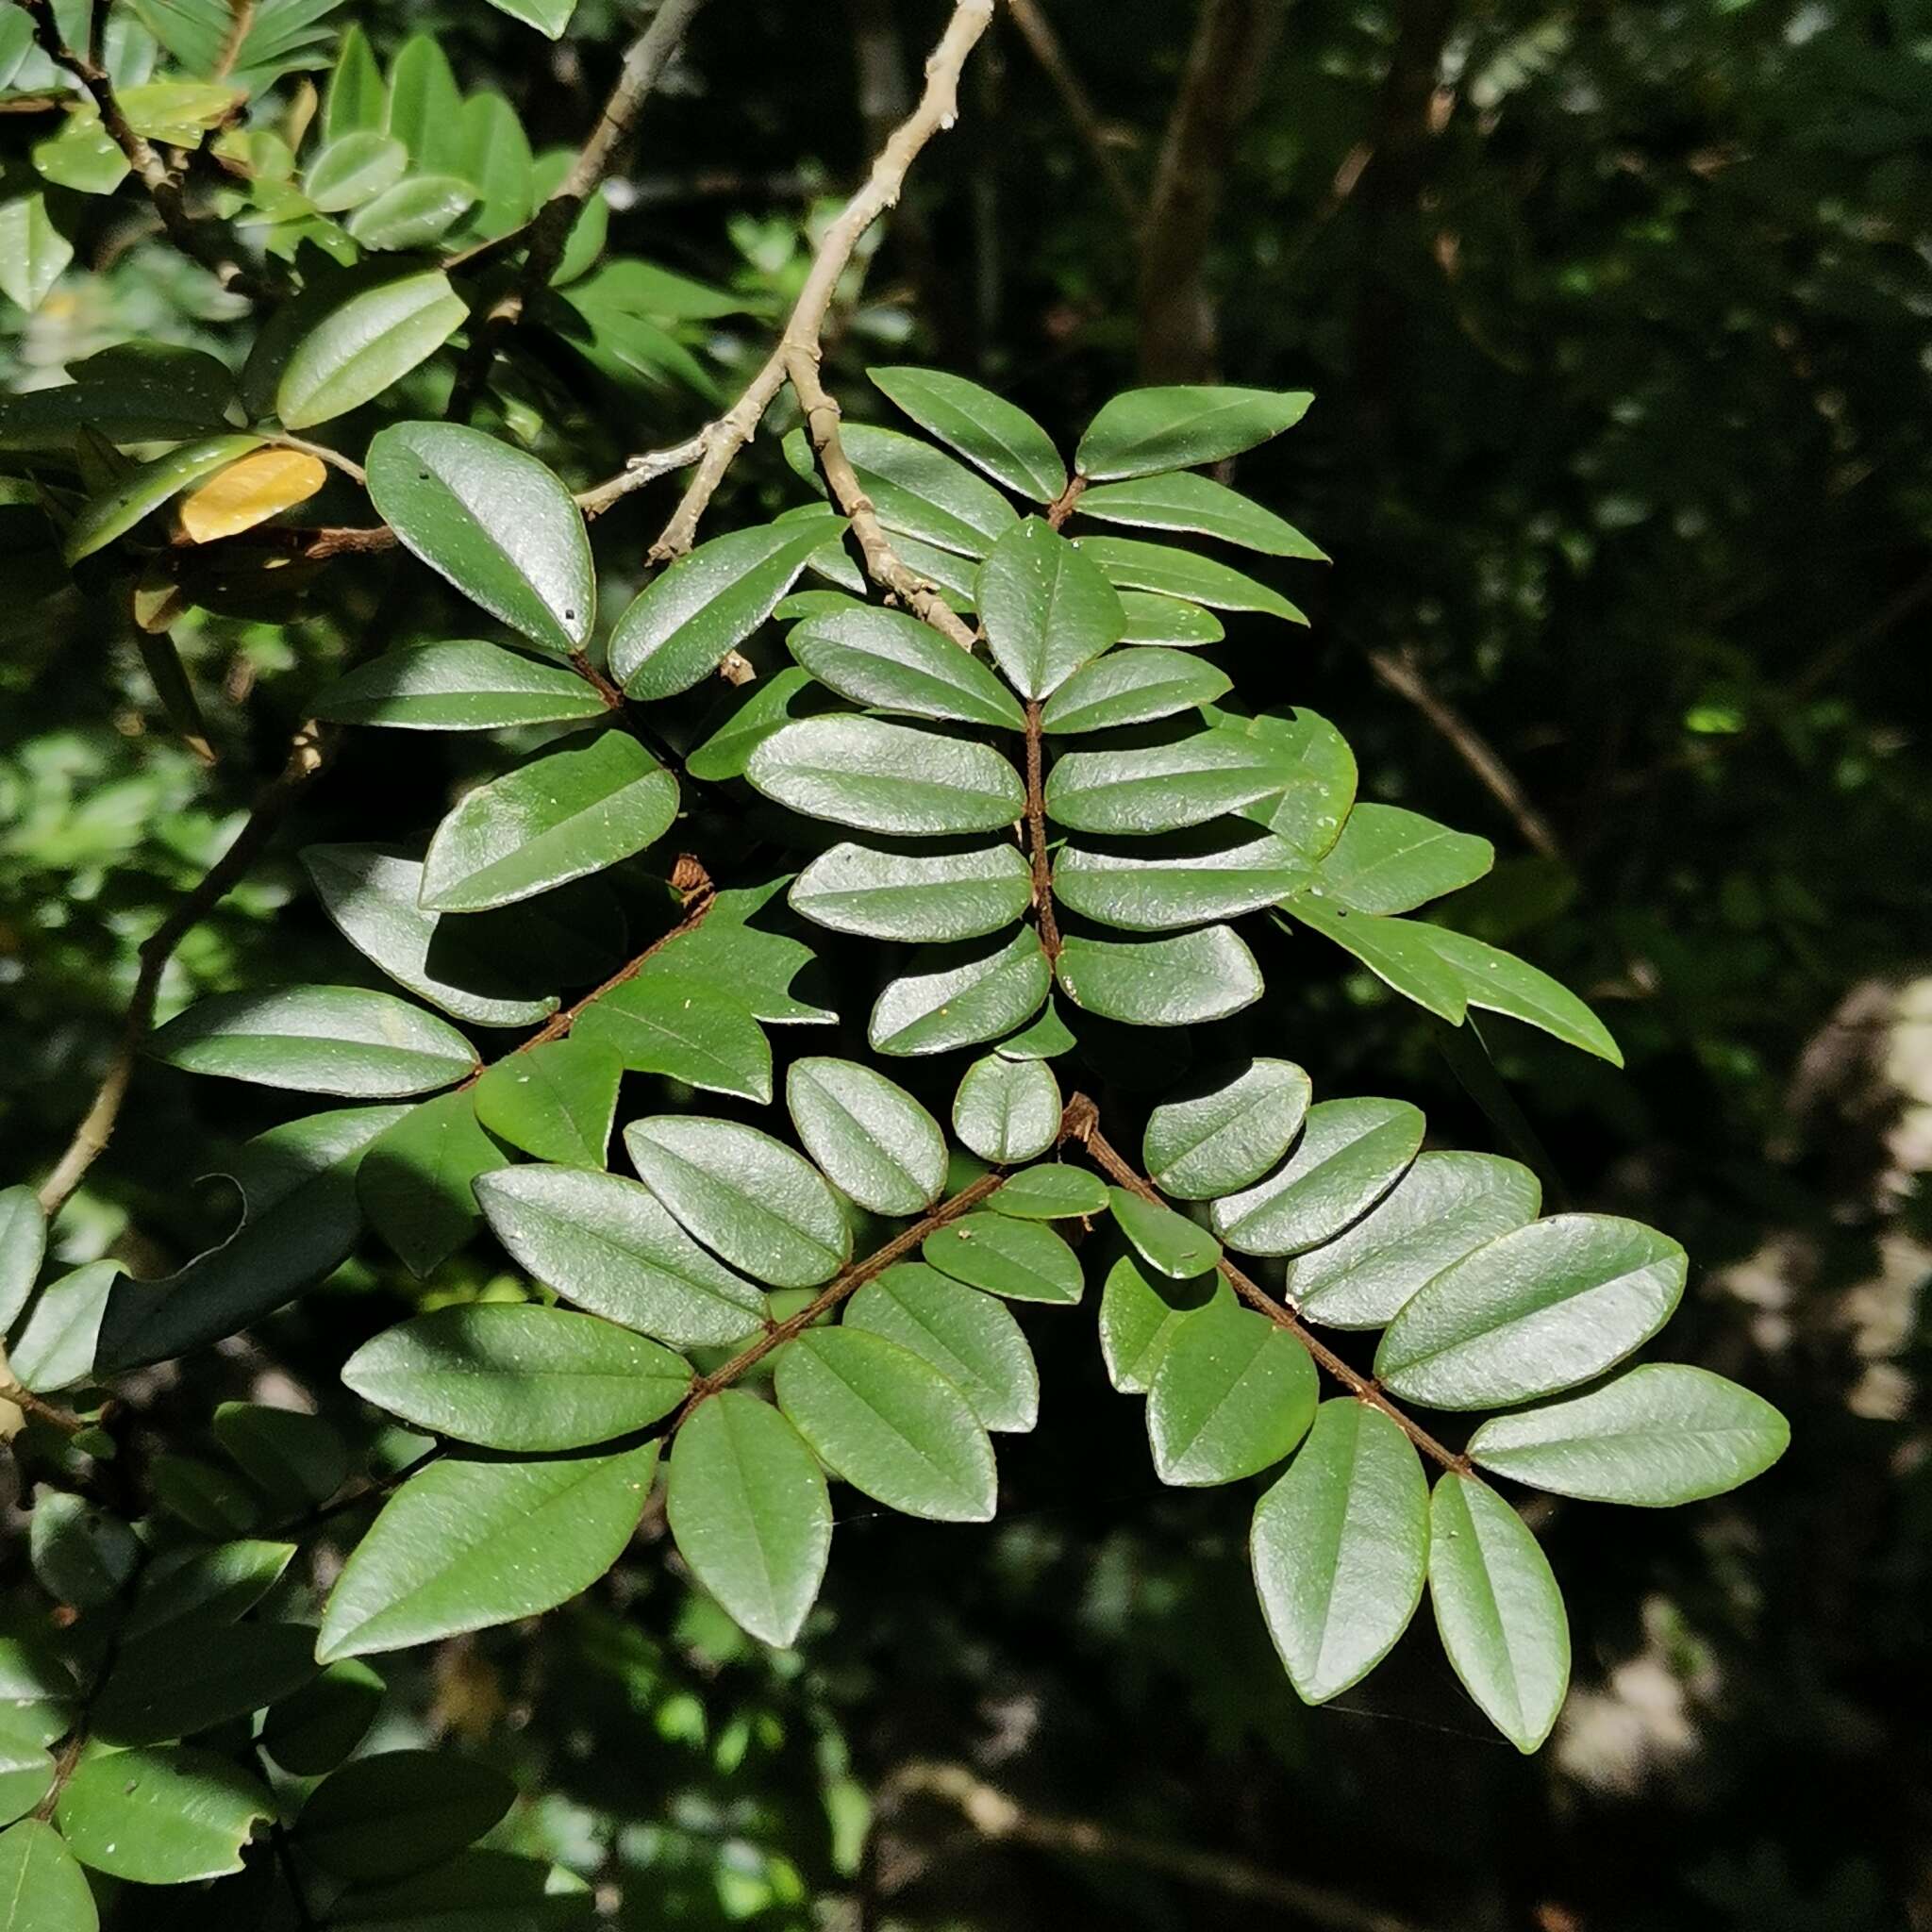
[{"x": 1617, "y": 317}]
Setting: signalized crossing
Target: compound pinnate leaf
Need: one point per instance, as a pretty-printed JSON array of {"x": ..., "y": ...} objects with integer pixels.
[
  {"x": 461, "y": 686},
  {"x": 1046, "y": 608},
  {"x": 747, "y": 1505},
  {"x": 496, "y": 523},
  {"x": 1163, "y": 788},
  {"x": 1232, "y": 1393},
  {"x": 690, "y": 1028},
  {"x": 360, "y": 348},
  {"x": 1183, "y": 426},
  {"x": 609, "y": 1245},
  {"x": 969, "y": 1337},
  {"x": 939, "y": 897},
  {"x": 1340, "y": 1549},
  {"x": 1132, "y": 687},
  {"x": 1052, "y": 1191},
  {"x": 1170, "y": 1244},
  {"x": 1179, "y": 501},
  {"x": 986, "y": 429},
  {"x": 1391, "y": 861},
  {"x": 1225, "y": 1129},
  {"x": 888, "y": 1423},
  {"x": 1213, "y": 871},
  {"x": 317, "y": 1039},
  {"x": 1138, "y": 1315},
  {"x": 1535, "y": 1311},
  {"x": 43, "y": 1888},
  {"x": 891, "y": 662},
  {"x": 1130, "y": 565},
  {"x": 1498, "y": 1608},
  {"x": 1188, "y": 980},
  {"x": 1019, "y": 1260},
  {"x": 556, "y": 1100},
  {"x": 746, "y": 1196},
  {"x": 524, "y": 1378},
  {"x": 867, "y": 1134},
  {"x": 1350, "y": 1154},
  {"x": 1445, "y": 1206},
  {"x": 1655, "y": 1437},
  {"x": 165, "y": 1817},
  {"x": 469, "y": 1542},
  {"x": 961, "y": 995},
  {"x": 414, "y": 1182},
  {"x": 883, "y": 778},
  {"x": 1008, "y": 1110},
  {"x": 399, "y": 1812}
]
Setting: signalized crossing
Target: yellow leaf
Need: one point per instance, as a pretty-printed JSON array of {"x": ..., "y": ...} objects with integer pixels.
[{"x": 247, "y": 493}]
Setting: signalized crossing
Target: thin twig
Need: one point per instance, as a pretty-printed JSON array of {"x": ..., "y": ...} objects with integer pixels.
[
  {"x": 1036, "y": 837},
  {"x": 1038, "y": 32}
]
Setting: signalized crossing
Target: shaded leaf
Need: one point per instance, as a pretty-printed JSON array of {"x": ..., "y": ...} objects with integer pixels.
[
  {"x": 360, "y": 348},
  {"x": 1170, "y": 1244},
  {"x": 556, "y": 1100},
  {"x": 161, "y": 1817},
  {"x": 399, "y": 1812},
  {"x": 689, "y": 1029},
  {"x": 1139, "y": 1314}
]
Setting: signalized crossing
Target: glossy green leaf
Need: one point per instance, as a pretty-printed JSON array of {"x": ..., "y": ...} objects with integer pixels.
[
  {"x": 1535, "y": 1311},
  {"x": 747, "y": 1505},
  {"x": 1655, "y": 1437},
  {"x": 33, "y": 251},
  {"x": 1498, "y": 1608},
  {"x": 689, "y": 1029},
  {"x": 960, "y": 995},
  {"x": 1232, "y": 1393},
  {"x": 1161, "y": 787},
  {"x": 608, "y": 1245},
  {"x": 42, "y": 1887},
  {"x": 1152, "y": 619},
  {"x": 1043, "y": 1038},
  {"x": 1391, "y": 860},
  {"x": 1400, "y": 952},
  {"x": 681, "y": 624},
  {"x": 518, "y": 1377},
  {"x": 1179, "y": 501},
  {"x": 360, "y": 348},
  {"x": 1444, "y": 1207},
  {"x": 146, "y": 488},
  {"x": 166, "y": 1817},
  {"x": 1132, "y": 688},
  {"x": 896, "y": 895},
  {"x": 356, "y": 100},
  {"x": 59, "y": 1341},
  {"x": 83, "y": 156},
  {"x": 883, "y": 778},
  {"x": 1132, "y": 565},
  {"x": 891, "y": 662},
  {"x": 1169, "y": 1242},
  {"x": 399, "y": 1812},
  {"x": 415, "y": 1181},
  {"x": 314, "y": 1730},
  {"x": 1350, "y": 1154},
  {"x": 986, "y": 429},
  {"x": 1138, "y": 1315},
  {"x": 354, "y": 168},
  {"x": 494, "y": 522},
  {"x": 888, "y": 1423},
  {"x": 22, "y": 1244},
  {"x": 1189, "y": 980},
  {"x": 750, "y": 715},
  {"x": 1183, "y": 428},
  {"x": 496, "y": 159},
  {"x": 1499, "y": 982},
  {"x": 1224, "y": 1129},
  {"x": 194, "y": 1674},
  {"x": 81, "y": 1555},
  {"x": 471, "y": 1541},
  {"x": 557, "y": 1099},
  {"x": 757, "y": 965},
  {"x": 463, "y": 686},
  {"x": 419, "y": 209},
  {"x": 295, "y": 1460},
  {"x": 317, "y": 1039},
  {"x": 221, "y": 1584},
  {"x": 1319, "y": 777},
  {"x": 916, "y": 491},
  {"x": 867, "y": 1134},
  {"x": 1019, "y": 1260},
  {"x": 1046, "y": 608},
  {"x": 1051, "y": 1192},
  {"x": 969, "y": 1339},
  {"x": 1008, "y": 1110},
  {"x": 1214, "y": 872},
  {"x": 1340, "y": 1549},
  {"x": 746, "y": 1196},
  {"x": 424, "y": 104}
]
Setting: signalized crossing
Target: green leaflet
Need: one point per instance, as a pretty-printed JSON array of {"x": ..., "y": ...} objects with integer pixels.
[
  {"x": 1189, "y": 980},
  {"x": 938, "y": 897},
  {"x": 468, "y": 1542},
  {"x": 413, "y": 1183},
  {"x": 1225, "y": 1129},
  {"x": 1008, "y": 1110},
  {"x": 1019, "y": 1260},
  {"x": 1655, "y": 1437},
  {"x": 1138, "y": 1315},
  {"x": 758, "y": 966},
  {"x": 146, "y": 489},
  {"x": 492, "y": 521},
  {"x": 682, "y": 623},
  {"x": 161, "y": 1817},
  {"x": 1052, "y": 1191},
  {"x": 1319, "y": 774},
  {"x": 314, "y": 1730},
  {"x": 746, "y": 1196},
  {"x": 888, "y": 1423},
  {"x": 893, "y": 663},
  {"x": 1444, "y": 1207},
  {"x": 33, "y": 251},
  {"x": 196, "y": 1673},
  {"x": 747, "y": 1505},
  {"x": 1132, "y": 687},
  {"x": 418, "y": 211},
  {"x": 297, "y": 1461},
  {"x": 1044, "y": 1037},
  {"x": 608, "y": 1245},
  {"x": 362, "y": 347},
  {"x": 1152, "y": 619},
  {"x": 1047, "y": 609},
  {"x": 1398, "y": 951},
  {"x": 524, "y": 1378},
  {"x": 42, "y": 1887},
  {"x": 1162, "y": 787},
  {"x": 1340, "y": 1548},
  {"x": 1130, "y": 565},
  {"x": 317, "y": 1039},
  {"x": 969, "y": 1337},
  {"x": 424, "y": 104},
  {"x": 748, "y": 717},
  {"x": 1498, "y": 1608},
  {"x": 557, "y": 1099},
  {"x": 1391, "y": 860},
  {"x": 1232, "y": 1394},
  {"x": 399, "y": 1812},
  {"x": 1500, "y": 983},
  {"x": 961, "y": 995},
  {"x": 986, "y": 429},
  {"x": 482, "y": 1891},
  {"x": 1350, "y": 1154},
  {"x": 464, "y": 685},
  {"x": 1214, "y": 872},
  {"x": 23, "y": 1242},
  {"x": 1182, "y": 427},
  {"x": 353, "y": 168},
  {"x": 1179, "y": 501},
  {"x": 80, "y": 1555},
  {"x": 58, "y": 1343},
  {"x": 497, "y": 161},
  {"x": 208, "y": 1499},
  {"x": 690, "y": 1028},
  {"x": 1532, "y": 1311},
  {"x": 867, "y": 1134},
  {"x": 883, "y": 778},
  {"x": 220, "y": 1583},
  {"x": 355, "y": 99},
  {"x": 1170, "y": 1244}
]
